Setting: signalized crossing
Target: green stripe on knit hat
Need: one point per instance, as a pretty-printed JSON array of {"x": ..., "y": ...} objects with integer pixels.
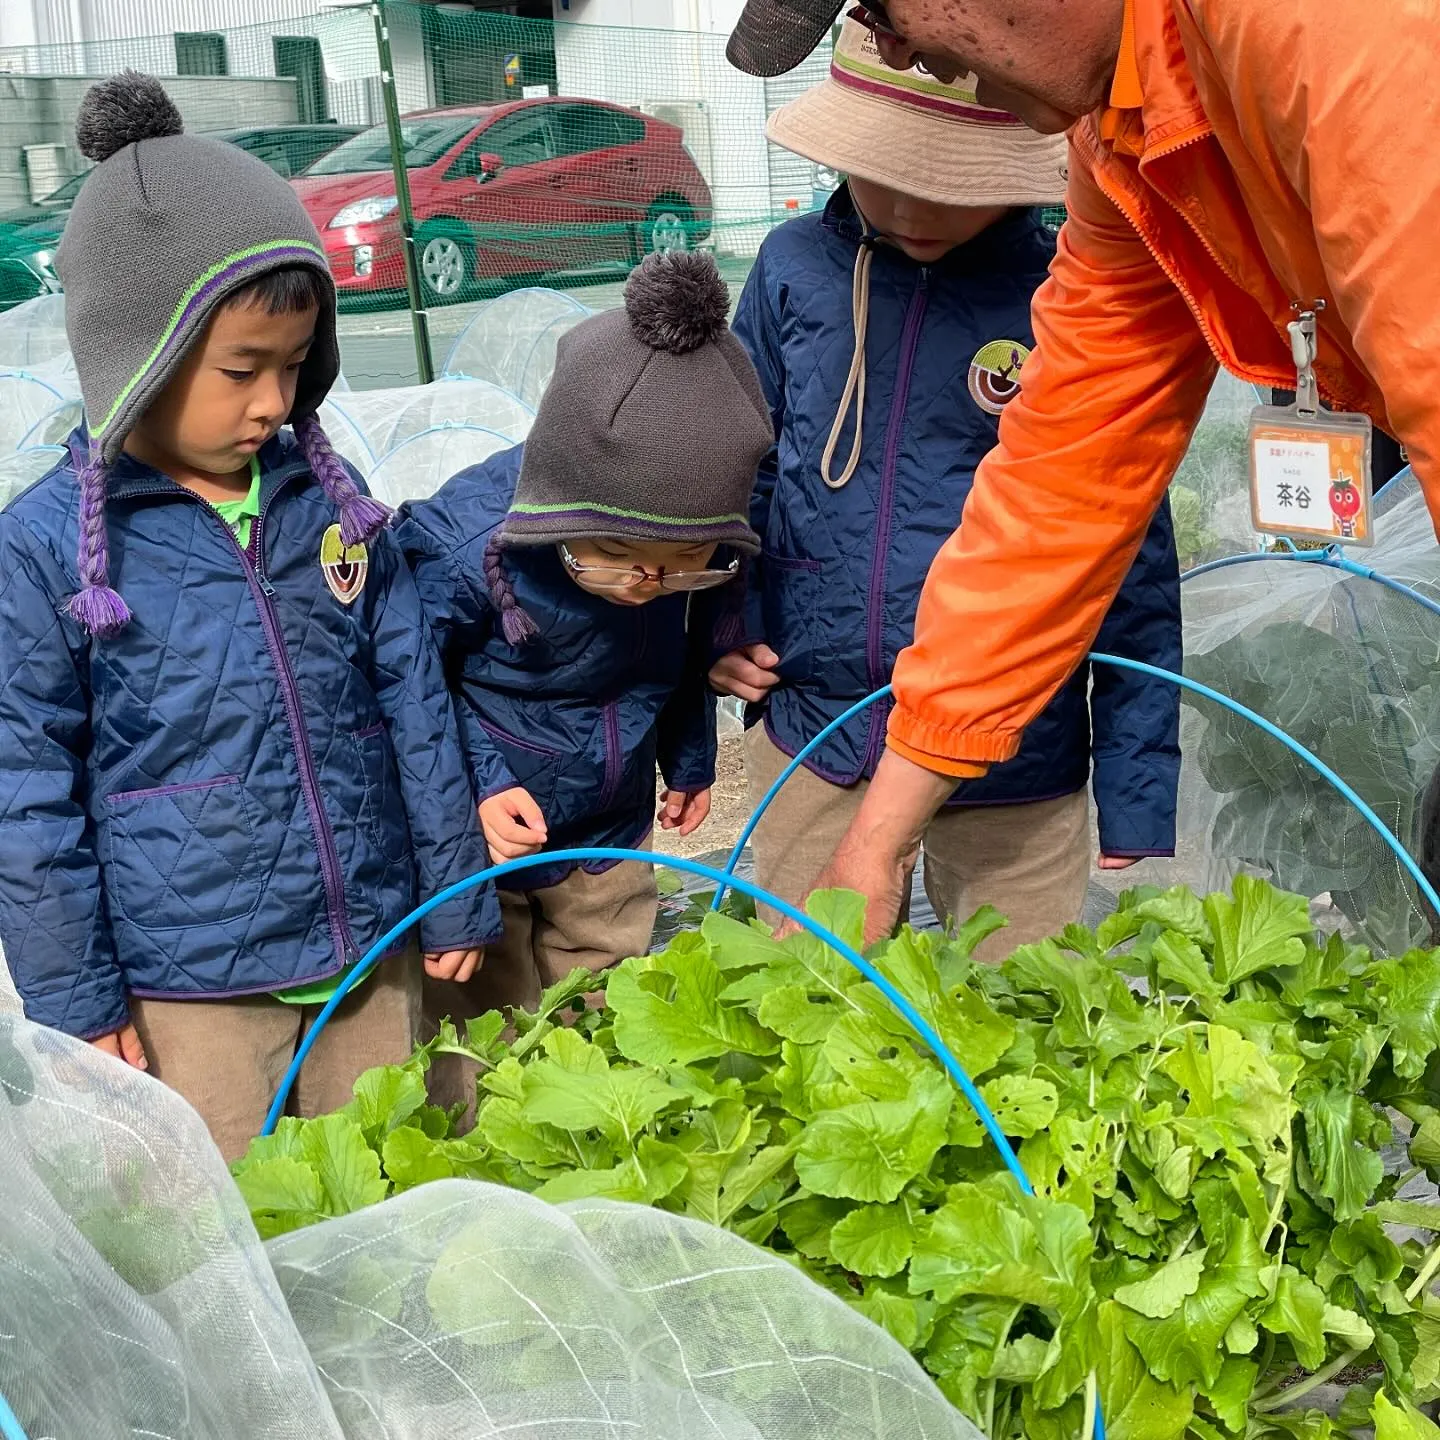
[
  {"x": 208, "y": 282},
  {"x": 689, "y": 522}
]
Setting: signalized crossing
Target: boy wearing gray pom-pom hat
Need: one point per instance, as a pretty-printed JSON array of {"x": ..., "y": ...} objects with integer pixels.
[
  {"x": 228, "y": 758},
  {"x": 558, "y": 577}
]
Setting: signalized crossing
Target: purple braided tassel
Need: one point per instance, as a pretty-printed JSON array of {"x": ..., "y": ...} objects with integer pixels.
[
  {"x": 519, "y": 629},
  {"x": 96, "y": 607},
  {"x": 361, "y": 517}
]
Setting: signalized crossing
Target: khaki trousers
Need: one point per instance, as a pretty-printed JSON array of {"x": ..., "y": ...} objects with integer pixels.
[
  {"x": 586, "y": 922},
  {"x": 227, "y": 1057},
  {"x": 1031, "y": 862}
]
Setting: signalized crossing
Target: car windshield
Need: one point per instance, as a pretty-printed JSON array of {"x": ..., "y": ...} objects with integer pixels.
[
  {"x": 425, "y": 142},
  {"x": 66, "y": 194}
]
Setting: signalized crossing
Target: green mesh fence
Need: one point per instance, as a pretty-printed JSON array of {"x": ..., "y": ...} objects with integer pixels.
[{"x": 536, "y": 152}]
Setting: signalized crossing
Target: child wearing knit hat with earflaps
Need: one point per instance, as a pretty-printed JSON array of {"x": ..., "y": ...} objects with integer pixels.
[
  {"x": 560, "y": 579},
  {"x": 229, "y": 762}
]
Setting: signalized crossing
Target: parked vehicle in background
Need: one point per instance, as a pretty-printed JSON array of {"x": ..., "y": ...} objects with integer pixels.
[
  {"x": 507, "y": 191},
  {"x": 29, "y": 234},
  {"x": 289, "y": 150}
]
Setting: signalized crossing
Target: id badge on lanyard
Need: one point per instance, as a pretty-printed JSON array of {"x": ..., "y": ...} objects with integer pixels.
[{"x": 1310, "y": 468}]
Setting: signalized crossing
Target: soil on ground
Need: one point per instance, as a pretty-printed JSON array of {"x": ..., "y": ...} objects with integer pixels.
[{"x": 729, "y": 809}]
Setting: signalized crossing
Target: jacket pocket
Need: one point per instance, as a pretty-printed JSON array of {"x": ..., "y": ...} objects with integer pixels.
[
  {"x": 792, "y": 613},
  {"x": 536, "y": 768},
  {"x": 182, "y": 855},
  {"x": 383, "y": 806}
]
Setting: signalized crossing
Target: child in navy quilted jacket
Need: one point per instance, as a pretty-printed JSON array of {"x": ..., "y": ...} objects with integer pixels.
[
  {"x": 558, "y": 578},
  {"x": 889, "y": 333},
  {"x": 229, "y": 762}
]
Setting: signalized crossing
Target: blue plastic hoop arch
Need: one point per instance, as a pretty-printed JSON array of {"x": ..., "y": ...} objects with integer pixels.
[
  {"x": 727, "y": 879},
  {"x": 1387, "y": 835},
  {"x": 1330, "y": 559}
]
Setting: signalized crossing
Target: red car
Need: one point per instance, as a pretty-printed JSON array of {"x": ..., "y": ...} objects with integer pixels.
[{"x": 507, "y": 191}]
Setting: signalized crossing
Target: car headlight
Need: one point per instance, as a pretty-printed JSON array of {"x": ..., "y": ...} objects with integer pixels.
[{"x": 364, "y": 212}]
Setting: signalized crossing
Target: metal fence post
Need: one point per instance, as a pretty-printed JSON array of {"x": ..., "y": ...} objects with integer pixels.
[{"x": 419, "y": 316}]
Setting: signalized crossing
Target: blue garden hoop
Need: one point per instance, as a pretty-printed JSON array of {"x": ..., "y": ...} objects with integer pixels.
[{"x": 1387, "y": 835}]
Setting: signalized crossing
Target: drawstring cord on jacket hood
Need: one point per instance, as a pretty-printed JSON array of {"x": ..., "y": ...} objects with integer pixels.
[{"x": 854, "y": 392}]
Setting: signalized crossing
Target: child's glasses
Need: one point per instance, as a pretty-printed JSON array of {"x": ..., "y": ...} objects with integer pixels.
[
  {"x": 874, "y": 18},
  {"x": 613, "y": 577}
]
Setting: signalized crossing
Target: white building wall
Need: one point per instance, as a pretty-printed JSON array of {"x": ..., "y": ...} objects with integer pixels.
[
  {"x": 70, "y": 22},
  {"x": 98, "y": 37}
]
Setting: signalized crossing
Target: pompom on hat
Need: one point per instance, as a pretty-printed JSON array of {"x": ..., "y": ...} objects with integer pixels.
[{"x": 167, "y": 228}]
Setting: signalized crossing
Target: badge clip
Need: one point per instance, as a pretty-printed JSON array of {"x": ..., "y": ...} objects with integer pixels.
[{"x": 1310, "y": 467}]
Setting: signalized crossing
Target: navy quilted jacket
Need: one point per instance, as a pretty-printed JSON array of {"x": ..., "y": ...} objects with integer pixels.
[
  {"x": 836, "y": 591},
  {"x": 247, "y": 786},
  {"x": 580, "y": 715}
]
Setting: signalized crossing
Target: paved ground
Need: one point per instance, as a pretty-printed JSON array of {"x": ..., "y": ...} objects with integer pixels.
[{"x": 377, "y": 347}]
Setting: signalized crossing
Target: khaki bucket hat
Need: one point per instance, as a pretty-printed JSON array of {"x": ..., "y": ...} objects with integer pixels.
[{"x": 907, "y": 131}]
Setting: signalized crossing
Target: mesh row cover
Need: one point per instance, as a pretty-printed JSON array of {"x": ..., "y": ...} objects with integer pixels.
[
  {"x": 135, "y": 1299},
  {"x": 418, "y": 466},
  {"x": 33, "y": 333},
  {"x": 1349, "y": 668},
  {"x": 25, "y": 401},
  {"x": 387, "y": 418},
  {"x": 511, "y": 341}
]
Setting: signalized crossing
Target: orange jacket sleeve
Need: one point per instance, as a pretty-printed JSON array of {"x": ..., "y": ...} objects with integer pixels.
[
  {"x": 1339, "y": 99},
  {"x": 1108, "y": 403}
]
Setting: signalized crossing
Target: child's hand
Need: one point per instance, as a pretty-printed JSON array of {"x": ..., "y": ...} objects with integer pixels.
[
  {"x": 124, "y": 1044},
  {"x": 457, "y": 965},
  {"x": 513, "y": 824},
  {"x": 747, "y": 673},
  {"x": 683, "y": 811},
  {"x": 1117, "y": 862}
]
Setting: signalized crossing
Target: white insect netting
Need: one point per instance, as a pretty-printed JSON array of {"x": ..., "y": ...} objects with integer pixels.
[
  {"x": 346, "y": 435},
  {"x": 54, "y": 428},
  {"x": 416, "y": 468},
  {"x": 135, "y": 1299},
  {"x": 22, "y": 469},
  {"x": 387, "y": 418},
  {"x": 1346, "y": 666},
  {"x": 33, "y": 333},
  {"x": 25, "y": 400},
  {"x": 511, "y": 341},
  {"x": 1210, "y": 495}
]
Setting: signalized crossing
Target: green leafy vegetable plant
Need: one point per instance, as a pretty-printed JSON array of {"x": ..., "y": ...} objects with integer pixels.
[{"x": 1200, "y": 1090}]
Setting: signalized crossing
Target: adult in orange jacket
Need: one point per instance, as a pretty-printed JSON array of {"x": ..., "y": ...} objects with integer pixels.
[{"x": 1228, "y": 160}]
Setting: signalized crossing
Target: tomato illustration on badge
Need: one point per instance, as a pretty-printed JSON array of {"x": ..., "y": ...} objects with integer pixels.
[
  {"x": 1345, "y": 504},
  {"x": 995, "y": 374},
  {"x": 343, "y": 566}
]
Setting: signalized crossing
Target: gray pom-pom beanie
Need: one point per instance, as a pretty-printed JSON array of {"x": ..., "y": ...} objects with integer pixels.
[
  {"x": 165, "y": 229},
  {"x": 654, "y": 422}
]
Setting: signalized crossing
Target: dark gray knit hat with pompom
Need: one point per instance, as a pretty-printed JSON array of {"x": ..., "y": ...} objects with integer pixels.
[
  {"x": 654, "y": 422},
  {"x": 164, "y": 229}
]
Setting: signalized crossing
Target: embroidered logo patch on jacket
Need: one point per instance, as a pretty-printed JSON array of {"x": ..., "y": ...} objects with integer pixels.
[
  {"x": 344, "y": 567},
  {"x": 995, "y": 374}
]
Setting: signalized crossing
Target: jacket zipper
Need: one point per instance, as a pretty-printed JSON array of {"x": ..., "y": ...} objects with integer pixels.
[
  {"x": 875, "y": 639},
  {"x": 263, "y": 592},
  {"x": 611, "y": 712},
  {"x": 330, "y": 872},
  {"x": 1119, "y": 201}
]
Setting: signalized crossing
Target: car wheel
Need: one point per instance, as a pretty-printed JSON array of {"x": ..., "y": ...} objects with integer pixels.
[
  {"x": 669, "y": 226},
  {"x": 444, "y": 264}
]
